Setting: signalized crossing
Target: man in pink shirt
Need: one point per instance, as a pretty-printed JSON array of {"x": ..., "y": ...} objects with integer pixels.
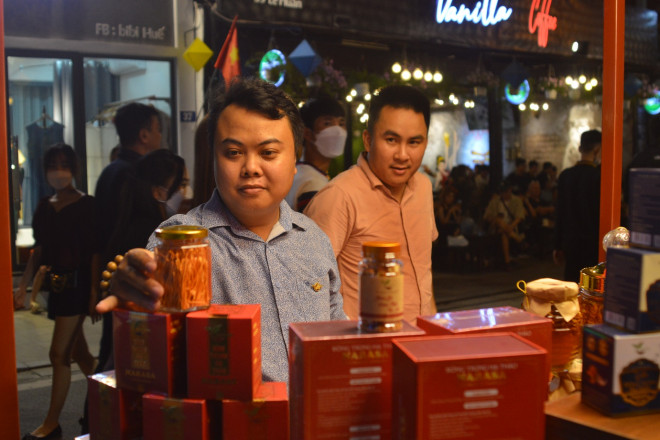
[{"x": 384, "y": 198}]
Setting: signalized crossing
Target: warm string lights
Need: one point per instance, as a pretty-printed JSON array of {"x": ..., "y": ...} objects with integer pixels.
[{"x": 417, "y": 74}]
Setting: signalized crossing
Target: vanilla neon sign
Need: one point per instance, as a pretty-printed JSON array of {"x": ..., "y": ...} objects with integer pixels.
[
  {"x": 485, "y": 13},
  {"x": 540, "y": 20}
]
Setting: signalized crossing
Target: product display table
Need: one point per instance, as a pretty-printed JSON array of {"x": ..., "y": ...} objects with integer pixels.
[{"x": 568, "y": 419}]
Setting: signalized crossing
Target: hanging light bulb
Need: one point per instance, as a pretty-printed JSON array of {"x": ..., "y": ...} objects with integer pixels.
[
  {"x": 437, "y": 77},
  {"x": 349, "y": 98},
  {"x": 396, "y": 67},
  {"x": 439, "y": 101},
  {"x": 353, "y": 93},
  {"x": 593, "y": 82},
  {"x": 406, "y": 75},
  {"x": 569, "y": 80},
  {"x": 428, "y": 76},
  {"x": 588, "y": 87},
  {"x": 582, "y": 79},
  {"x": 522, "y": 107},
  {"x": 418, "y": 74},
  {"x": 367, "y": 97},
  {"x": 545, "y": 106},
  {"x": 575, "y": 85},
  {"x": 360, "y": 109}
]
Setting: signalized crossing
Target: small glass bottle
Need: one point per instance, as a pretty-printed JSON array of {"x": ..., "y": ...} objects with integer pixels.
[
  {"x": 592, "y": 287},
  {"x": 183, "y": 259},
  {"x": 380, "y": 288}
]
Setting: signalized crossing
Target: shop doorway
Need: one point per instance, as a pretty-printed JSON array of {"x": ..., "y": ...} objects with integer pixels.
[{"x": 72, "y": 99}]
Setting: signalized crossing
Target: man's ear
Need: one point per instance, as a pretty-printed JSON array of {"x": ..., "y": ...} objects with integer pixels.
[
  {"x": 366, "y": 140},
  {"x": 143, "y": 135}
]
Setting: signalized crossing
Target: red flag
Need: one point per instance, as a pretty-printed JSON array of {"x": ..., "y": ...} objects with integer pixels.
[{"x": 227, "y": 60}]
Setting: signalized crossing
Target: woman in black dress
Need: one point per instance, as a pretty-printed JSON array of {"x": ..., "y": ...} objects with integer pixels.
[{"x": 64, "y": 243}]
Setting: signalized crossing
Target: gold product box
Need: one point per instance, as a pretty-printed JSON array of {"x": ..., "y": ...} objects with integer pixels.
[{"x": 620, "y": 370}]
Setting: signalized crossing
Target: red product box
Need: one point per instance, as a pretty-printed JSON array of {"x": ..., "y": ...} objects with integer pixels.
[
  {"x": 530, "y": 326},
  {"x": 468, "y": 387},
  {"x": 224, "y": 352},
  {"x": 149, "y": 351},
  {"x": 168, "y": 418},
  {"x": 340, "y": 380},
  {"x": 264, "y": 418},
  {"x": 114, "y": 413}
]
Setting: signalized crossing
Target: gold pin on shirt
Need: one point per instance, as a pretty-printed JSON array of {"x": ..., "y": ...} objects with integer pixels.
[{"x": 316, "y": 287}]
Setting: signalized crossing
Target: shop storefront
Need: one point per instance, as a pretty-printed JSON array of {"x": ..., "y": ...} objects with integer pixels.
[
  {"x": 69, "y": 67},
  {"x": 486, "y": 52}
]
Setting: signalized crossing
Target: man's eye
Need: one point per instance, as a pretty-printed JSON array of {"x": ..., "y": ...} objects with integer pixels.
[
  {"x": 268, "y": 153},
  {"x": 390, "y": 140},
  {"x": 232, "y": 153}
]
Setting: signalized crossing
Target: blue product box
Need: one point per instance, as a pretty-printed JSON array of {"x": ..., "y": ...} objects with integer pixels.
[
  {"x": 620, "y": 371},
  {"x": 632, "y": 289},
  {"x": 644, "y": 207}
]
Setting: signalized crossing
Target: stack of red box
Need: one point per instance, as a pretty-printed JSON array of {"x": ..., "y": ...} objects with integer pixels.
[
  {"x": 530, "y": 326},
  {"x": 340, "y": 380},
  {"x": 180, "y": 376}
]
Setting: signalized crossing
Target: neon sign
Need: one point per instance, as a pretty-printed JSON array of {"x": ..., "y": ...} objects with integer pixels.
[
  {"x": 540, "y": 20},
  {"x": 486, "y": 13},
  {"x": 521, "y": 94}
]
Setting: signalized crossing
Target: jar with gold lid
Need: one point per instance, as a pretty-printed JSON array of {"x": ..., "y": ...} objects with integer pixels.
[
  {"x": 183, "y": 259},
  {"x": 592, "y": 288},
  {"x": 558, "y": 301},
  {"x": 380, "y": 288}
]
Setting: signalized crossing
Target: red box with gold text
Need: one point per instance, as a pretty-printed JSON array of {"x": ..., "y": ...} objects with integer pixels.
[
  {"x": 150, "y": 352},
  {"x": 114, "y": 413},
  {"x": 224, "y": 352},
  {"x": 468, "y": 387},
  {"x": 174, "y": 419},
  {"x": 530, "y": 326},
  {"x": 340, "y": 380},
  {"x": 264, "y": 418}
]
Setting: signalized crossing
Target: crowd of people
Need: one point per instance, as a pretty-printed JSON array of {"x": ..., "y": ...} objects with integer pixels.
[
  {"x": 262, "y": 190},
  {"x": 517, "y": 215}
]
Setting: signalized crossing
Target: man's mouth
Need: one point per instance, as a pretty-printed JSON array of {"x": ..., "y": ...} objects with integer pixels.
[{"x": 251, "y": 189}]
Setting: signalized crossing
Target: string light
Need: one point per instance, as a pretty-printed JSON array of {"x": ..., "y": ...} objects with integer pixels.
[
  {"x": 418, "y": 74},
  {"x": 428, "y": 76},
  {"x": 396, "y": 67},
  {"x": 406, "y": 75},
  {"x": 437, "y": 77},
  {"x": 349, "y": 98}
]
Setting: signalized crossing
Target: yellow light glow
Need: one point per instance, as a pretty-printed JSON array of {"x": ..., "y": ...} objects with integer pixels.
[
  {"x": 396, "y": 67},
  {"x": 437, "y": 77},
  {"x": 418, "y": 74},
  {"x": 406, "y": 75}
]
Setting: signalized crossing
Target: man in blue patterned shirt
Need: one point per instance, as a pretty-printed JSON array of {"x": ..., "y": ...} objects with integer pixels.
[{"x": 262, "y": 251}]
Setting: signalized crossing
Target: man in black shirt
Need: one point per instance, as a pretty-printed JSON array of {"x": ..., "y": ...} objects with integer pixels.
[{"x": 578, "y": 210}]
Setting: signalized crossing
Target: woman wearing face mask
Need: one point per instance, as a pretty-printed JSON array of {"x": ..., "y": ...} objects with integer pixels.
[
  {"x": 325, "y": 138},
  {"x": 64, "y": 244}
]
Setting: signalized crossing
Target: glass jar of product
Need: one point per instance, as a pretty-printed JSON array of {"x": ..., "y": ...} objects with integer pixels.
[
  {"x": 592, "y": 287},
  {"x": 380, "y": 288},
  {"x": 183, "y": 259},
  {"x": 557, "y": 301}
]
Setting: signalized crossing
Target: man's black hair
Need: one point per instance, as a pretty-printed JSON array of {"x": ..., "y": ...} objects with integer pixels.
[
  {"x": 158, "y": 167},
  {"x": 520, "y": 161},
  {"x": 259, "y": 96},
  {"x": 589, "y": 140},
  {"x": 61, "y": 150},
  {"x": 533, "y": 163},
  {"x": 130, "y": 119},
  {"x": 398, "y": 96},
  {"x": 323, "y": 106}
]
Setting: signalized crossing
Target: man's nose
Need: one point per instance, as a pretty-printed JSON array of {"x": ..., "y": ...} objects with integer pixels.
[
  {"x": 251, "y": 165},
  {"x": 401, "y": 152}
]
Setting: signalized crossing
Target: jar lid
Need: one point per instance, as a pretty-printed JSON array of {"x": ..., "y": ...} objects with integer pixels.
[
  {"x": 593, "y": 278},
  {"x": 380, "y": 248},
  {"x": 181, "y": 232}
]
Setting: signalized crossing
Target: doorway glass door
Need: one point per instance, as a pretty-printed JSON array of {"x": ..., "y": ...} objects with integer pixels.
[{"x": 40, "y": 114}]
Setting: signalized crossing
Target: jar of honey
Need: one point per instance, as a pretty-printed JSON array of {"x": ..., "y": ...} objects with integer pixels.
[
  {"x": 592, "y": 288},
  {"x": 557, "y": 301},
  {"x": 380, "y": 288},
  {"x": 183, "y": 259}
]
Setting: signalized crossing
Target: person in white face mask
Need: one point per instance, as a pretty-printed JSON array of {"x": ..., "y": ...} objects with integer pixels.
[
  {"x": 325, "y": 138},
  {"x": 64, "y": 252}
]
